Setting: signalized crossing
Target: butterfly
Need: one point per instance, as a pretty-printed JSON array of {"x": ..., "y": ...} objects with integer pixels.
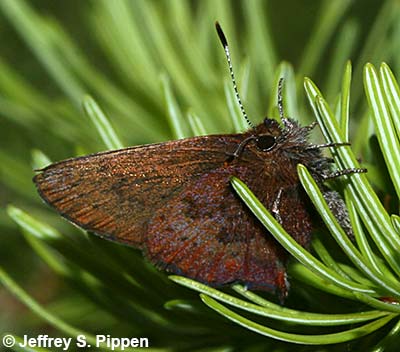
[{"x": 174, "y": 201}]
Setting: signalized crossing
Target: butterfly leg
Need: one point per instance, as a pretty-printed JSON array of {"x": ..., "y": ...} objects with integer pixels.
[
  {"x": 281, "y": 282},
  {"x": 311, "y": 126},
  {"x": 339, "y": 173},
  {"x": 275, "y": 206}
]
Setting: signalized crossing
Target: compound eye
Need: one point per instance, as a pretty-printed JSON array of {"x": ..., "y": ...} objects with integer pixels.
[{"x": 265, "y": 143}]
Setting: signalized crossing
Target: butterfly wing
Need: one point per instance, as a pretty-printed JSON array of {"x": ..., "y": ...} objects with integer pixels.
[
  {"x": 174, "y": 201},
  {"x": 207, "y": 233},
  {"x": 115, "y": 193}
]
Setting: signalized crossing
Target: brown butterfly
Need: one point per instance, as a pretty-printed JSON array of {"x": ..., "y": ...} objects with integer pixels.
[{"x": 174, "y": 201}]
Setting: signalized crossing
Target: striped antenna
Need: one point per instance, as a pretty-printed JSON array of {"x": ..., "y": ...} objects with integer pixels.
[
  {"x": 224, "y": 42},
  {"x": 280, "y": 98}
]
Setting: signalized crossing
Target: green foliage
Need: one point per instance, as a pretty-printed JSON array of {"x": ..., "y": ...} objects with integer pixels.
[{"x": 156, "y": 71}]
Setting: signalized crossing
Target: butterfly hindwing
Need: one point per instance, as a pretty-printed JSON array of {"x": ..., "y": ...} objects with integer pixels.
[{"x": 207, "y": 233}]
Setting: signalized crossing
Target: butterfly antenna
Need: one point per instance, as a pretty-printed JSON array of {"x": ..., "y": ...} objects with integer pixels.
[
  {"x": 280, "y": 98},
  {"x": 224, "y": 42}
]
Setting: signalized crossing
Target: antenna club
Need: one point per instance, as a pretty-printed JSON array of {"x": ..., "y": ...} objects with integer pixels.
[
  {"x": 224, "y": 42},
  {"x": 221, "y": 35}
]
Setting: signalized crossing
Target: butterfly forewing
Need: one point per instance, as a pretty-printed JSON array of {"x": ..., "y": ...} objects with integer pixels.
[{"x": 115, "y": 193}]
